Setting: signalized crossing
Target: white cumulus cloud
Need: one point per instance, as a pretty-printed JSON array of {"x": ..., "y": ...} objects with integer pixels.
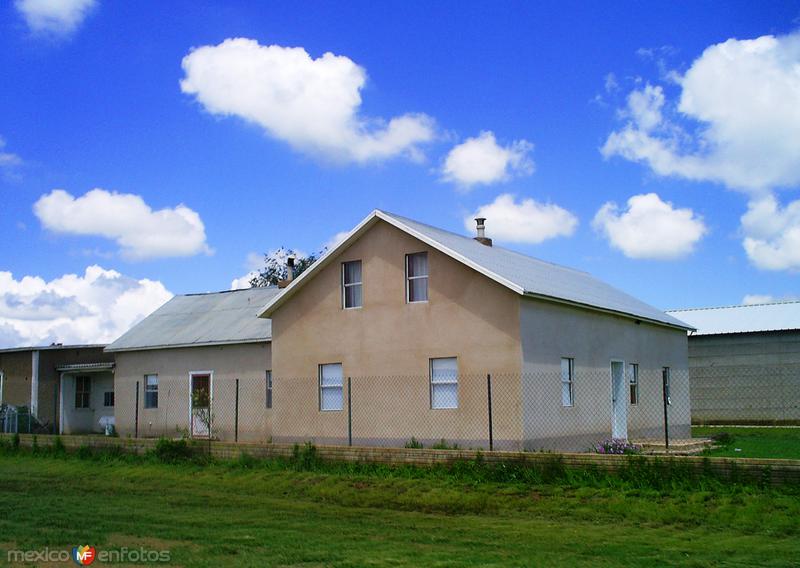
[
  {"x": 752, "y": 299},
  {"x": 524, "y": 221},
  {"x": 140, "y": 232},
  {"x": 737, "y": 120},
  {"x": 481, "y": 161},
  {"x": 650, "y": 228},
  {"x": 95, "y": 307},
  {"x": 312, "y": 104},
  {"x": 8, "y": 159},
  {"x": 58, "y": 17},
  {"x": 772, "y": 234}
]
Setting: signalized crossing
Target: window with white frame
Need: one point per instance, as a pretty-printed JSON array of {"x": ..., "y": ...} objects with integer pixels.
[
  {"x": 108, "y": 399},
  {"x": 567, "y": 381},
  {"x": 83, "y": 392},
  {"x": 444, "y": 383},
  {"x": 351, "y": 284},
  {"x": 269, "y": 389},
  {"x": 331, "y": 387},
  {"x": 151, "y": 391},
  {"x": 665, "y": 375},
  {"x": 417, "y": 277},
  {"x": 633, "y": 370}
]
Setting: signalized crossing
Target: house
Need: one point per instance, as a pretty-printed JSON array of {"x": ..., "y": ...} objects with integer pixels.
[
  {"x": 391, "y": 335},
  {"x": 744, "y": 363},
  {"x": 65, "y": 389},
  {"x": 185, "y": 368}
]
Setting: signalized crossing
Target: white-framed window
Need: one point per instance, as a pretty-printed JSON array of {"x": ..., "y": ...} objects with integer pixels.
[
  {"x": 417, "y": 277},
  {"x": 151, "y": 391},
  {"x": 108, "y": 399},
  {"x": 567, "y": 381},
  {"x": 331, "y": 387},
  {"x": 269, "y": 389},
  {"x": 633, "y": 370},
  {"x": 444, "y": 382},
  {"x": 351, "y": 284},
  {"x": 665, "y": 376},
  {"x": 83, "y": 392}
]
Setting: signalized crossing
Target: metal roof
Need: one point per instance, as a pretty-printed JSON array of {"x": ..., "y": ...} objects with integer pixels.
[
  {"x": 202, "y": 319},
  {"x": 777, "y": 316},
  {"x": 523, "y": 274},
  {"x": 52, "y": 347}
]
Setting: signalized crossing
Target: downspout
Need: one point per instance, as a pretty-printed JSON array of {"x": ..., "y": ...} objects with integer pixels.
[{"x": 34, "y": 409}]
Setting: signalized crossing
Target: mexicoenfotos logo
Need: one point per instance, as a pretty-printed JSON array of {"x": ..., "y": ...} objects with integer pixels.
[{"x": 84, "y": 555}]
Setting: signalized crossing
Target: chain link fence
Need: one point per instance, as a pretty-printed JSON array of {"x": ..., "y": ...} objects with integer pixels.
[{"x": 566, "y": 408}]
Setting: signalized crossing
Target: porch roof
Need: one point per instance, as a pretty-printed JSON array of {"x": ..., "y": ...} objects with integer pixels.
[{"x": 85, "y": 367}]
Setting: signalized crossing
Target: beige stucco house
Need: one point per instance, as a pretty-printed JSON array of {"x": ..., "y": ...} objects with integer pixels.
[
  {"x": 417, "y": 317},
  {"x": 183, "y": 369},
  {"x": 66, "y": 389}
]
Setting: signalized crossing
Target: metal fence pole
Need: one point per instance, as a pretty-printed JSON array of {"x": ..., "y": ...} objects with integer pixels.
[
  {"x": 489, "y": 401},
  {"x": 349, "y": 414},
  {"x": 666, "y": 405},
  {"x": 236, "y": 415},
  {"x": 136, "y": 414}
]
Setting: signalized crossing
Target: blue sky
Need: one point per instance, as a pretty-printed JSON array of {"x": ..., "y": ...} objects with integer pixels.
[{"x": 91, "y": 97}]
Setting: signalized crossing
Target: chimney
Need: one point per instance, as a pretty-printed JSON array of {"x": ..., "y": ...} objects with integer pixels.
[
  {"x": 289, "y": 273},
  {"x": 481, "y": 238}
]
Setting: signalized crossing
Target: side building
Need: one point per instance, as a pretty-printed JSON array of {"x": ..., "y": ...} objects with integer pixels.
[
  {"x": 66, "y": 389},
  {"x": 198, "y": 366},
  {"x": 744, "y": 363},
  {"x": 391, "y": 335}
]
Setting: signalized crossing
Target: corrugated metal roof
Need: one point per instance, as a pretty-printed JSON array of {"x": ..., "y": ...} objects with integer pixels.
[
  {"x": 51, "y": 347},
  {"x": 776, "y": 316},
  {"x": 202, "y": 319},
  {"x": 521, "y": 273}
]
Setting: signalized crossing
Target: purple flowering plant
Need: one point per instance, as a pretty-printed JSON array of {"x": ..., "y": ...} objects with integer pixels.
[{"x": 617, "y": 446}]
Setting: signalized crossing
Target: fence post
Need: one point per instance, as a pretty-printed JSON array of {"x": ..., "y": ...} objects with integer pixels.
[
  {"x": 236, "y": 415},
  {"x": 136, "y": 414},
  {"x": 489, "y": 399},
  {"x": 349, "y": 414},
  {"x": 666, "y": 406}
]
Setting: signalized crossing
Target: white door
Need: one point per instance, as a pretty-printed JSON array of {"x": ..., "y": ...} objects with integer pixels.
[
  {"x": 200, "y": 404},
  {"x": 619, "y": 401}
]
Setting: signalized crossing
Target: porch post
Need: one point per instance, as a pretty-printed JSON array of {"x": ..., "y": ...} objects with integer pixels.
[
  {"x": 34, "y": 409},
  {"x": 61, "y": 403}
]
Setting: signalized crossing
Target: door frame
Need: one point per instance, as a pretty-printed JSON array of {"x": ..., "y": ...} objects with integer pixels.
[
  {"x": 210, "y": 375},
  {"x": 620, "y": 399}
]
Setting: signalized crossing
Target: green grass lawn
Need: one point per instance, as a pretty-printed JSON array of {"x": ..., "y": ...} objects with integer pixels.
[
  {"x": 270, "y": 514},
  {"x": 743, "y": 442}
]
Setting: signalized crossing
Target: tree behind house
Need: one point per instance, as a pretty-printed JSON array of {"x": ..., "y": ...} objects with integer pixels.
[{"x": 275, "y": 268}]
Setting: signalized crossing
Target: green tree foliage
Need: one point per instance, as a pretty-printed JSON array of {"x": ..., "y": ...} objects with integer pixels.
[{"x": 275, "y": 268}]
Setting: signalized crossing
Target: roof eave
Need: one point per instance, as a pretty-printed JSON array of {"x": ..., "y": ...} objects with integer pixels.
[
  {"x": 609, "y": 311},
  {"x": 110, "y": 349}
]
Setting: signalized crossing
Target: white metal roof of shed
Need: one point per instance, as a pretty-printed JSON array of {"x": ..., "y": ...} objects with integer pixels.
[
  {"x": 202, "y": 319},
  {"x": 523, "y": 274},
  {"x": 777, "y": 316}
]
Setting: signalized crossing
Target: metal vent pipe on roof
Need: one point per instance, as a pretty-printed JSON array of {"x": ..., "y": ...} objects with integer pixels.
[{"x": 481, "y": 238}]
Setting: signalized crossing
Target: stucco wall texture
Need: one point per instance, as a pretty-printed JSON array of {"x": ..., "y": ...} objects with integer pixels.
[{"x": 246, "y": 362}]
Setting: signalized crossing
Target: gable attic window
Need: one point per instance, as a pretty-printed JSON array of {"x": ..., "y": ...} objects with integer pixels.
[
  {"x": 351, "y": 284},
  {"x": 417, "y": 277}
]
